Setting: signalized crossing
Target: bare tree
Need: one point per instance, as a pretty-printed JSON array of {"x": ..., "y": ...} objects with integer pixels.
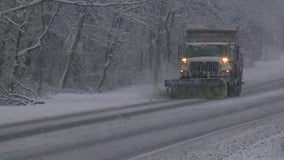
[
  {"x": 73, "y": 49},
  {"x": 164, "y": 6}
]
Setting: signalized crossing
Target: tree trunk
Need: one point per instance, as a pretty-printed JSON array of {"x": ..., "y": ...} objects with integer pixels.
[
  {"x": 141, "y": 61},
  {"x": 159, "y": 40},
  {"x": 16, "y": 67},
  {"x": 108, "y": 54},
  {"x": 157, "y": 59},
  {"x": 169, "y": 27},
  {"x": 40, "y": 62},
  {"x": 117, "y": 22},
  {"x": 2, "y": 59},
  {"x": 72, "y": 53},
  {"x": 151, "y": 49},
  {"x": 40, "y": 59}
]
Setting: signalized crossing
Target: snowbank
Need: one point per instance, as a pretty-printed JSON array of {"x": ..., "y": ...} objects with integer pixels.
[
  {"x": 271, "y": 148},
  {"x": 72, "y": 103},
  {"x": 264, "y": 71}
]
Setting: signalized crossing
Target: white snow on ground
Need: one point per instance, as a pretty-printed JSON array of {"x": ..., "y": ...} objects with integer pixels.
[
  {"x": 264, "y": 71},
  {"x": 258, "y": 140},
  {"x": 260, "y": 143},
  {"x": 271, "y": 148},
  {"x": 265, "y": 142},
  {"x": 71, "y": 103}
]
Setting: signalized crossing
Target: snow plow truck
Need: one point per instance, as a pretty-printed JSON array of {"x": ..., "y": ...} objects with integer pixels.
[{"x": 211, "y": 64}]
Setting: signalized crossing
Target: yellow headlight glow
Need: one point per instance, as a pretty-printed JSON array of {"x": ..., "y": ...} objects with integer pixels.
[
  {"x": 184, "y": 60},
  {"x": 225, "y": 60}
]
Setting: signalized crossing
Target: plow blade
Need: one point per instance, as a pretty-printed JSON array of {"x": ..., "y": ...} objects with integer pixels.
[{"x": 197, "y": 88}]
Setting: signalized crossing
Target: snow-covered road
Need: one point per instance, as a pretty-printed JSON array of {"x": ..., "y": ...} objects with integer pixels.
[
  {"x": 130, "y": 136},
  {"x": 258, "y": 140}
]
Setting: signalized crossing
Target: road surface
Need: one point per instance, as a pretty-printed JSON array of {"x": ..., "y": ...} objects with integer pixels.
[{"x": 133, "y": 132}]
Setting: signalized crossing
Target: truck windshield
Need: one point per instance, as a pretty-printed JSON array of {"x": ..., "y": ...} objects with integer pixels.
[{"x": 207, "y": 50}]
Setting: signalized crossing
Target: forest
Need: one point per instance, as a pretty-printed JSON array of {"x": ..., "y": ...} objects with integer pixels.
[{"x": 93, "y": 46}]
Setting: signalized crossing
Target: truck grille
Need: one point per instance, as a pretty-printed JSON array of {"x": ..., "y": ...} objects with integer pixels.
[{"x": 198, "y": 68}]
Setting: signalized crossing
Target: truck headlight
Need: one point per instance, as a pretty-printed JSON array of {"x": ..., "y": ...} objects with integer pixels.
[
  {"x": 184, "y": 60},
  {"x": 225, "y": 60}
]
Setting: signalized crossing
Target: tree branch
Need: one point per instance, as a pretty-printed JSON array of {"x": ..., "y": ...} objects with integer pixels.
[
  {"x": 41, "y": 35},
  {"x": 4, "y": 89},
  {"x": 26, "y": 88},
  {"x": 6, "y": 98},
  {"x": 21, "y": 99},
  {"x": 13, "y": 22},
  {"x": 94, "y": 4},
  {"x": 33, "y": 3},
  {"x": 70, "y": 2}
]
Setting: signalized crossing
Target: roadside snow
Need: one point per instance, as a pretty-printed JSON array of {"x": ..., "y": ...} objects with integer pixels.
[
  {"x": 271, "y": 148},
  {"x": 264, "y": 142},
  {"x": 259, "y": 140},
  {"x": 264, "y": 71},
  {"x": 71, "y": 103}
]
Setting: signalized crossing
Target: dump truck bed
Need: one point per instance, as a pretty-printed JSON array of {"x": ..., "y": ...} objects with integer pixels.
[{"x": 205, "y": 34}]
